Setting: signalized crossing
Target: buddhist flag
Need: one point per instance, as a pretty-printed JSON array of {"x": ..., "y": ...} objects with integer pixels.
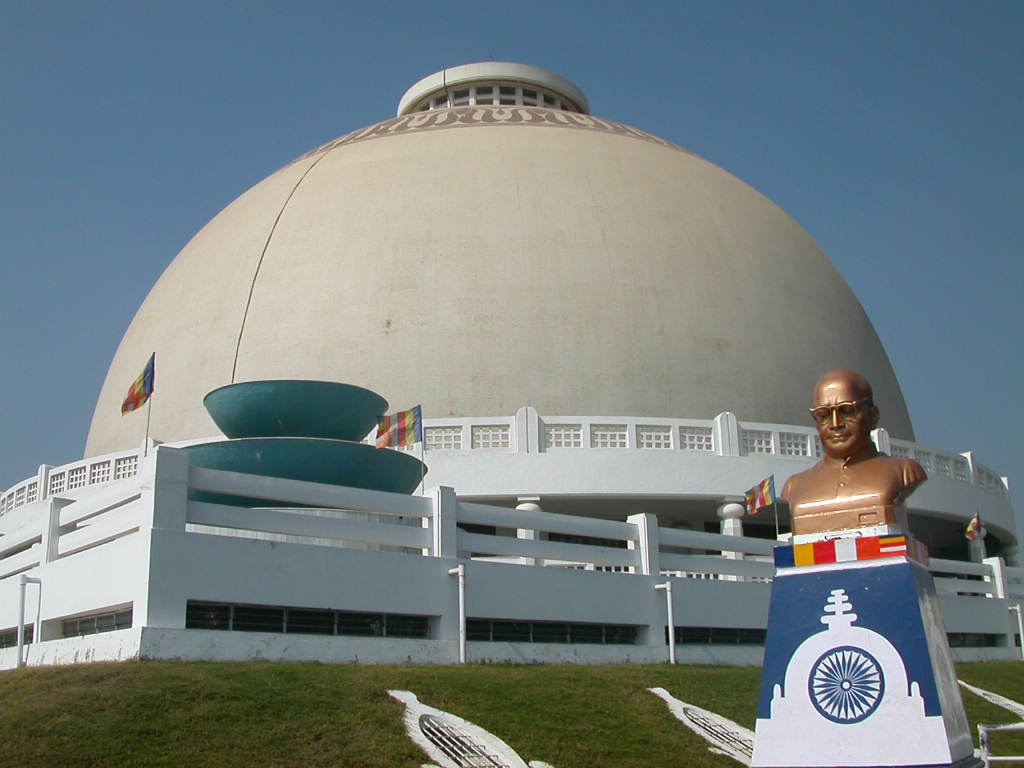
[
  {"x": 761, "y": 495},
  {"x": 973, "y": 529},
  {"x": 141, "y": 388},
  {"x": 402, "y": 428}
]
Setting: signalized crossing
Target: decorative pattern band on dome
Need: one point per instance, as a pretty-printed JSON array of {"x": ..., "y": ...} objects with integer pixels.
[{"x": 466, "y": 117}]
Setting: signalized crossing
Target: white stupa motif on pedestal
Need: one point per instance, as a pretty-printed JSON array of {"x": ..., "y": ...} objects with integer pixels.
[{"x": 854, "y": 680}]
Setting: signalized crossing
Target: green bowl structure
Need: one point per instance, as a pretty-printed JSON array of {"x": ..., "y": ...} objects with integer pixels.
[
  {"x": 313, "y": 460},
  {"x": 295, "y": 408}
]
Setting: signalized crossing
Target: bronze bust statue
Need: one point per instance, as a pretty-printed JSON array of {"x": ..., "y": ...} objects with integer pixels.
[{"x": 854, "y": 485}]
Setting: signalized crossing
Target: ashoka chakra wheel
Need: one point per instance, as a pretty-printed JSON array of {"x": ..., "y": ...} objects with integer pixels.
[{"x": 846, "y": 684}]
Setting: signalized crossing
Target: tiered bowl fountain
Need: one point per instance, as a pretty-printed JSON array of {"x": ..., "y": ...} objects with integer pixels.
[{"x": 302, "y": 430}]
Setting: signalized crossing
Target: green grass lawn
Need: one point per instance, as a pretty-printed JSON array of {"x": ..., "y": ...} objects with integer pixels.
[{"x": 273, "y": 714}]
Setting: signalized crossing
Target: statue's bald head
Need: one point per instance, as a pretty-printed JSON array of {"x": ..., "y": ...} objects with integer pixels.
[{"x": 841, "y": 385}]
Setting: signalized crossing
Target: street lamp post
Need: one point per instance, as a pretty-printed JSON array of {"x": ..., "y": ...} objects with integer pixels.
[
  {"x": 23, "y": 582},
  {"x": 667, "y": 586}
]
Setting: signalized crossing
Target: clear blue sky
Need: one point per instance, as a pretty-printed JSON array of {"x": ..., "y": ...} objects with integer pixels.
[{"x": 891, "y": 131}]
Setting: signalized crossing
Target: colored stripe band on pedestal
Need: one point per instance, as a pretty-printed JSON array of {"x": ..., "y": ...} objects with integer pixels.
[{"x": 848, "y": 550}]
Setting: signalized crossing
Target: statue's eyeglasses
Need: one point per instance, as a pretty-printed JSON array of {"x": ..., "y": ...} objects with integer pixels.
[{"x": 846, "y": 411}]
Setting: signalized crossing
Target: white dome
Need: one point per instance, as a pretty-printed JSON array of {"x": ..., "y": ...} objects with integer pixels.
[{"x": 477, "y": 259}]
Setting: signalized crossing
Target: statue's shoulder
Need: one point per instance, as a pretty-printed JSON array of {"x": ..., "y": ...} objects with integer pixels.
[
  {"x": 909, "y": 471},
  {"x": 913, "y": 471}
]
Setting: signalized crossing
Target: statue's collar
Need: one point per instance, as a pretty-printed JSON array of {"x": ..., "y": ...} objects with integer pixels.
[{"x": 866, "y": 453}]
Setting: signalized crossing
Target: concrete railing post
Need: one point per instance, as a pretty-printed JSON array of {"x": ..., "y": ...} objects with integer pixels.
[
  {"x": 646, "y": 542},
  {"x": 444, "y": 542},
  {"x": 731, "y": 514},
  {"x": 165, "y": 491},
  {"x": 527, "y": 425},
  {"x": 726, "y": 434},
  {"x": 163, "y": 479},
  {"x": 882, "y": 441},
  {"x": 528, "y": 504},
  {"x": 43, "y": 478},
  {"x": 972, "y": 476},
  {"x": 997, "y": 569},
  {"x": 51, "y": 531}
]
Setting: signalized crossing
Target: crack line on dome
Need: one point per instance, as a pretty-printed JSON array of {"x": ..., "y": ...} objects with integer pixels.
[{"x": 259, "y": 263}]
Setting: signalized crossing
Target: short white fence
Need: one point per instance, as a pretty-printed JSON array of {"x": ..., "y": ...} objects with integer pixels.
[
  {"x": 59, "y": 531},
  {"x": 984, "y": 729},
  {"x": 721, "y": 436}
]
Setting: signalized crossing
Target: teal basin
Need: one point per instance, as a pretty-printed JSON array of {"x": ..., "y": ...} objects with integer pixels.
[
  {"x": 333, "y": 462},
  {"x": 295, "y": 408}
]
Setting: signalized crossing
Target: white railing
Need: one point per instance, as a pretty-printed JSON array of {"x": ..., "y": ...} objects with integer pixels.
[
  {"x": 956, "y": 577},
  {"x": 70, "y": 526},
  {"x": 984, "y": 729},
  {"x": 425, "y": 526},
  {"x": 1014, "y": 582},
  {"x": 528, "y": 432},
  {"x": 163, "y": 498},
  {"x": 69, "y": 478},
  {"x": 326, "y": 517},
  {"x": 520, "y": 536}
]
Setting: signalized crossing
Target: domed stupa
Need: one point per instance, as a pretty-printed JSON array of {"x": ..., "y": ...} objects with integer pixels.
[
  {"x": 596, "y": 342},
  {"x": 496, "y": 246}
]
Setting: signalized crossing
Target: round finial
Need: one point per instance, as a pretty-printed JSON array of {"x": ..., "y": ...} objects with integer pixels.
[
  {"x": 493, "y": 83},
  {"x": 731, "y": 510}
]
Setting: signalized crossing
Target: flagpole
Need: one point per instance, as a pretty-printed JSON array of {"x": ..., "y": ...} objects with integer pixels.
[
  {"x": 149, "y": 409},
  {"x": 423, "y": 466}
]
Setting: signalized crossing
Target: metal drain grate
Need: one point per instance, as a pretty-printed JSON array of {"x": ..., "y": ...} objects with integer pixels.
[
  {"x": 457, "y": 744},
  {"x": 717, "y": 733}
]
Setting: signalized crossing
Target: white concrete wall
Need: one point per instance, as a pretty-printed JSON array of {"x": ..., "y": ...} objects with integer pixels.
[{"x": 158, "y": 563}]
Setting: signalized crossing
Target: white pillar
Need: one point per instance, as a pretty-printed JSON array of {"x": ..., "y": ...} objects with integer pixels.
[
  {"x": 731, "y": 514},
  {"x": 647, "y": 542},
  {"x": 726, "y": 432},
  {"x": 443, "y": 523},
  {"x": 998, "y": 578},
  {"x": 165, "y": 484},
  {"x": 527, "y": 430},
  {"x": 881, "y": 439},
  {"x": 997, "y": 567},
  {"x": 976, "y": 551},
  {"x": 1020, "y": 628},
  {"x": 164, "y": 478},
  {"x": 51, "y": 532},
  {"x": 528, "y": 504}
]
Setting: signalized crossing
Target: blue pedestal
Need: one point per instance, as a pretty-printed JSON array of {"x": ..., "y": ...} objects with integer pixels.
[{"x": 857, "y": 671}]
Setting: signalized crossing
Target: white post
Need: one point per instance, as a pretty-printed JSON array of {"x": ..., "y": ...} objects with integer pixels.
[
  {"x": 25, "y": 580},
  {"x": 528, "y": 504},
  {"x": 443, "y": 522},
  {"x": 731, "y": 514},
  {"x": 726, "y": 432},
  {"x": 51, "y": 533},
  {"x": 1020, "y": 626},
  {"x": 460, "y": 571},
  {"x": 647, "y": 543},
  {"x": 667, "y": 586},
  {"x": 997, "y": 569}
]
